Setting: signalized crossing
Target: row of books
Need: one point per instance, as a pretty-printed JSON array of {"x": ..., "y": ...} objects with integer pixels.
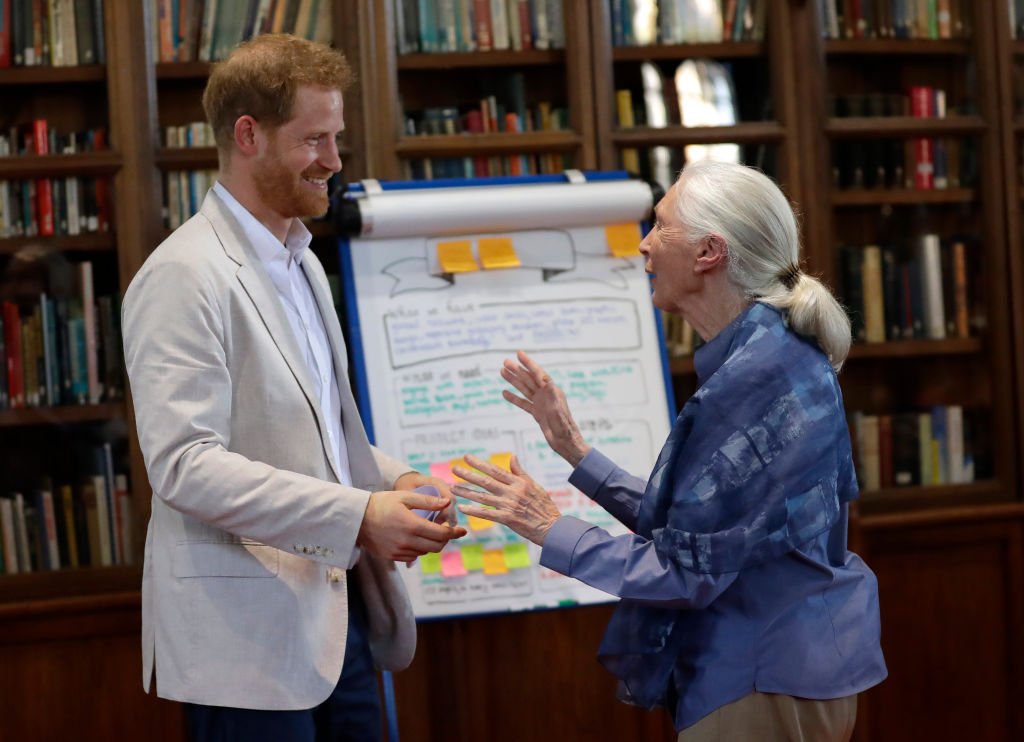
[
  {"x": 879, "y": 105},
  {"x": 184, "y": 191},
  {"x": 37, "y": 137},
  {"x": 489, "y": 116},
  {"x": 892, "y": 295},
  {"x": 58, "y": 33},
  {"x": 897, "y": 19},
  {"x": 430, "y": 26},
  {"x": 436, "y": 168},
  {"x": 54, "y": 206},
  {"x": 62, "y": 349},
  {"x": 51, "y": 528},
  {"x": 936, "y": 447},
  {"x": 193, "y": 134},
  {"x": 897, "y": 163},
  {"x": 647, "y": 22},
  {"x": 207, "y": 30},
  {"x": 680, "y": 338}
]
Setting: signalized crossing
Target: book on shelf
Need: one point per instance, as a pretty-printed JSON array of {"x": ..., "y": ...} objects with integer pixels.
[
  {"x": 68, "y": 526},
  {"x": 649, "y": 22},
  {"x": 903, "y": 293},
  {"x": 933, "y": 447},
  {"x": 51, "y": 33},
  {"x": 900, "y": 19},
  {"x": 440, "y": 26}
]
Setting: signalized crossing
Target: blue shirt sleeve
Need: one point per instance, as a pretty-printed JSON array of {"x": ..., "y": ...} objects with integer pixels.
[
  {"x": 610, "y": 486},
  {"x": 627, "y": 566}
]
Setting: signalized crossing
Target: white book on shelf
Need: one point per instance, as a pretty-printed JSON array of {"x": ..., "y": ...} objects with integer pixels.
[
  {"x": 657, "y": 117},
  {"x": 929, "y": 257},
  {"x": 499, "y": 24},
  {"x": 89, "y": 319}
]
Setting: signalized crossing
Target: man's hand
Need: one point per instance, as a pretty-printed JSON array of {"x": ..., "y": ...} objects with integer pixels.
[
  {"x": 390, "y": 531},
  {"x": 413, "y": 479}
]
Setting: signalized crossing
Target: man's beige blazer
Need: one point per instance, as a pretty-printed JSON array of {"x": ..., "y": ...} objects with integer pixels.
[{"x": 244, "y": 599}]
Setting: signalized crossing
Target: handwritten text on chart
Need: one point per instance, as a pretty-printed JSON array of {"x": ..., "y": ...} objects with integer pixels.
[
  {"x": 418, "y": 336},
  {"x": 433, "y": 396}
]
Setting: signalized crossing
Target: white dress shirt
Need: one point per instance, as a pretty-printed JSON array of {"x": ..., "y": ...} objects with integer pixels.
[{"x": 283, "y": 263}]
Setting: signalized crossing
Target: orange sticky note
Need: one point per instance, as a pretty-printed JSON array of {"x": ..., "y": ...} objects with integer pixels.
[
  {"x": 451, "y": 564},
  {"x": 457, "y": 462},
  {"x": 502, "y": 461},
  {"x": 479, "y": 524},
  {"x": 494, "y": 562},
  {"x": 497, "y": 252},
  {"x": 623, "y": 239},
  {"x": 456, "y": 256}
]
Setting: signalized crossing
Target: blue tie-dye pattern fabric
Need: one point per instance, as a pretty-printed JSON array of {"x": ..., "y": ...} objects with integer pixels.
[{"x": 757, "y": 464}]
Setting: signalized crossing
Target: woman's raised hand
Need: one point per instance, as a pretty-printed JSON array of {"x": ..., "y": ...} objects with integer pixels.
[{"x": 544, "y": 400}]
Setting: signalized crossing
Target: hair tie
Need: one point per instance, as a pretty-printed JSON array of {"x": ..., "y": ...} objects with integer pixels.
[{"x": 789, "y": 276}]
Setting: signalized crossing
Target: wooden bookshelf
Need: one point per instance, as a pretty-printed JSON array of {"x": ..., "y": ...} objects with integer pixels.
[
  {"x": 722, "y": 50},
  {"x": 474, "y": 144},
  {"x": 474, "y": 60},
  {"x": 61, "y": 415},
  {"x": 898, "y": 47},
  {"x": 91, "y": 242},
  {"x": 902, "y": 196},
  {"x": 914, "y": 349},
  {"x": 34, "y": 166},
  {"x": 55, "y": 76},
  {"x": 904, "y": 126},
  {"x": 742, "y": 133}
]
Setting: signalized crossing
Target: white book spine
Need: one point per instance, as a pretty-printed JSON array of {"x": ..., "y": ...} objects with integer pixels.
[
  {"x": 924, "y": 446},
  {"x": 931, "y": 286},
  {"x": 21, "y": 534},
  {"x": 50, "y": 520},
  {"x": 499, "y": 24}
]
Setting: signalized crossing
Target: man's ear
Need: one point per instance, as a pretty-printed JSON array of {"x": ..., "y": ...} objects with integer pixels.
[
  {"x": 247, "y": 135},
  {"x": 713, "y": 252}
]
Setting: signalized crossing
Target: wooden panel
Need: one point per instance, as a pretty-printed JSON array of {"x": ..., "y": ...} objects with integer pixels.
[
  {"x": 531, "y": 676},
  {"x": 82, "y": 682},
  {"x": 950, "y": 600}
]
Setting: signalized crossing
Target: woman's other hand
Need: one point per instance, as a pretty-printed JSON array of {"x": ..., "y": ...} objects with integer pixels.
[
  {"x": 514, "y": 499},
  {"x": 544, "y": 400}
]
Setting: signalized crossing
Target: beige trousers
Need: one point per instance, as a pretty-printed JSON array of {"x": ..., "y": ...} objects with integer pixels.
[{"x": 770, "y": 717}]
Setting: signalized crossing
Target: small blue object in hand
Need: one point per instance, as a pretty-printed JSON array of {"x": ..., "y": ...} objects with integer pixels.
[{"x": 427, "y": 489}]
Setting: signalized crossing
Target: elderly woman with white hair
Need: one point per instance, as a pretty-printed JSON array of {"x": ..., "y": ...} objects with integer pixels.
[{"x": 743, "y": 613}]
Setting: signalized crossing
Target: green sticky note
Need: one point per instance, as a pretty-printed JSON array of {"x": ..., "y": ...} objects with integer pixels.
[
  {"x": 517, "y": 556},
  {"x": 430, "y": 563},
  {"x": 473, "y": 557}
]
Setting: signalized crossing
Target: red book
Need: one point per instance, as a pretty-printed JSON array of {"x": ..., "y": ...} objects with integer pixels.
[
  {"x": 525, "y": 37},
  {"x": 922, "y": 99},
  {"x": 5, "y": 35},
  {"x": 484, "y": 33},
  {"x": 44, "y": 186}
]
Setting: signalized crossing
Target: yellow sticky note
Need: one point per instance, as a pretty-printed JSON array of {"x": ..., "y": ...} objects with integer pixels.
[
  {"x": 456, "y": 256},
  {"x": 517, "y": 556},
  {"x": 494, "y": 562},
  {"x": 430, "y": 563},
  {"x": 479, "y": 524},
  {"x": 502, "y": 461},
  {"x": 623, "y": 239},
  {"x": 497, "y": 252},
  {"x": 473, "y": 557}
]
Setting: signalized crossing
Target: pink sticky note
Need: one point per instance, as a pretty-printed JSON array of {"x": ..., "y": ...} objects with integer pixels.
[
  {"x": 443, "y": 471},
  {"x": 451, "y": 564}
]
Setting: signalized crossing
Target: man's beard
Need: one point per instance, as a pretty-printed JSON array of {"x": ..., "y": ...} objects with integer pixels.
[{"x": 283, "y": 190}]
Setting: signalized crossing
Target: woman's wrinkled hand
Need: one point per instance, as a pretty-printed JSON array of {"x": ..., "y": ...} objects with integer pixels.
[
  {"x": 510, "y": 498},
  {"x": 545, "y": 402}
]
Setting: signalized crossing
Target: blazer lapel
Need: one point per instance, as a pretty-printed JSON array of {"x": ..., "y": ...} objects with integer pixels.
[
  {"x": 361, "y": 463},
  {"x": 264, "y": 296}
]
